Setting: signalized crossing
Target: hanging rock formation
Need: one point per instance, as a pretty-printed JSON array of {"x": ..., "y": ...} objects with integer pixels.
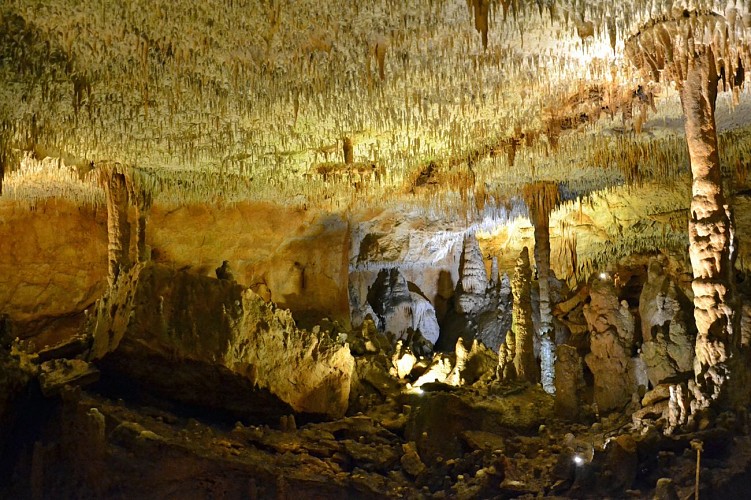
[
  {"x": 611, "y": 326},
  {"x": 217, "y": 344},
  {"x": 423, "y": 318},
  {"x": 118, "y": 226},
  {"x": 668, "y": 339}
]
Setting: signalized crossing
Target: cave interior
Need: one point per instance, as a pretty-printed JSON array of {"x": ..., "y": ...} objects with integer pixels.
[{"x": 385, "y": 249}]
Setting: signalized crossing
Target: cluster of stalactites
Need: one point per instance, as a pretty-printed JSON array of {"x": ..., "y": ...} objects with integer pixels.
[{"x": 664, "y": 47}]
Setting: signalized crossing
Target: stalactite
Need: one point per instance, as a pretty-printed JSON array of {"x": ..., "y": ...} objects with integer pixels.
[{"x": 118, "y": 226}]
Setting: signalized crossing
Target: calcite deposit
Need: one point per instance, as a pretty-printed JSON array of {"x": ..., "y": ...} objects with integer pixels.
[
  {"x": 176, "y": 330},
  {"x": 667, "y": 331},
  {"x": 415, "y": 249},
  {"x": 611, "y": 360}
]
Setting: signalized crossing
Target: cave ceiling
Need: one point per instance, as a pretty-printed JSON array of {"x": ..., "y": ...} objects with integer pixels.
[{"x": 439, "y": 104}]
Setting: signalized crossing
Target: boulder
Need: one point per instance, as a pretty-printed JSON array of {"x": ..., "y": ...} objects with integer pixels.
[
  {"x": 215, "y": 343},
  {"x": 619, "y": 465}
]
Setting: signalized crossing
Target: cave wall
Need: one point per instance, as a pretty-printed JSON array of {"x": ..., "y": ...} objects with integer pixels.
[
  {"x": 53, "y": 265},
  {"x": 53, "y": 258},
  {"x": 300, "y": 257}
]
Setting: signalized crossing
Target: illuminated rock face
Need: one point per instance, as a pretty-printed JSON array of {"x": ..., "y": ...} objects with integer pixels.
[
  {"x": 611, "y": 327},
  {"x": 53, "y": 265},
  {"x": 473, "y": 279},
  {"x": 399, "y": 310},
  {"x": 217, "y": 344},
  {"x": 668, "y": 337},
  {"x": 711, "y": 233},
  {"x": 296, "y": 258},
  {"x": 390, "y": 299}
]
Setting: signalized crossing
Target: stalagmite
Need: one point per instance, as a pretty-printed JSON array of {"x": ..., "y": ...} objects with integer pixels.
[
  {"x": 494, "y": 273},
  {"x": 541, "y": 198},
  {"x": 506, "y": 355},
  {"x": 522, "y": 327},
  {"x": 473, "y": 277},
  {"x": 118, "y": 226}
]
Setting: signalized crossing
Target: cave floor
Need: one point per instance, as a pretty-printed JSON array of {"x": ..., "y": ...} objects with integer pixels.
[{"x": 442, "y": 443}]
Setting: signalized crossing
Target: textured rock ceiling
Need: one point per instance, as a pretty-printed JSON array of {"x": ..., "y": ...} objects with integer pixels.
[{"x": 446, "y": 103}]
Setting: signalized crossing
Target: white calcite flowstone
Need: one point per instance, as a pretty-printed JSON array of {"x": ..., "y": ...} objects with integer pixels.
[{"x": 398, "y": 310}]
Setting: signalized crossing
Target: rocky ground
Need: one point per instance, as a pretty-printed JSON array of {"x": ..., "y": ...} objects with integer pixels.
[
  {"x": 184, "y": 386},
  {"x": 486, "y": 440}
]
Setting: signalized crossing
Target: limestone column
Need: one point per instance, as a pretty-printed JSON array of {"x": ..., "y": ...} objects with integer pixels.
[
  {"x": 118, "y": 226},
  {"x": 710, "y": 230},
  {"x": 541, "y": 198},
  {"x": 686, "y": 49},
  {"x": 525, "y": 366}
]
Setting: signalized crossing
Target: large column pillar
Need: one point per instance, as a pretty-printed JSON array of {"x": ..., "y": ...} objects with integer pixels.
[
  {"x": 541, "y": 198},
  {"x": 118, "y": 226},
  {"x": 710, "y": 233}
]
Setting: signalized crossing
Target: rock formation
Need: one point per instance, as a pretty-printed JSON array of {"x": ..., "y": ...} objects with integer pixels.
[
  {"x": 473, "y": 279},
  {"x": 667, "y": 333},
  {"x": 398, "y": 310},
  {"x": 224, "y": 272},
  {"x": 483, "y": 316},
  {"x": 569, "y": 382},
  {"x": 611, "y": 328},
  {"x": 118, "y": 226},
  {"x": 506, "y": 354},
  {"x": 215, "y": 343},
  {"x": 525, "y": 366},
  {"x": 390, "y": 299},
  {"x": 693, "y": 50},
  {"x": 541, "y": 198},
  {"x": 710, "y": 230}
]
